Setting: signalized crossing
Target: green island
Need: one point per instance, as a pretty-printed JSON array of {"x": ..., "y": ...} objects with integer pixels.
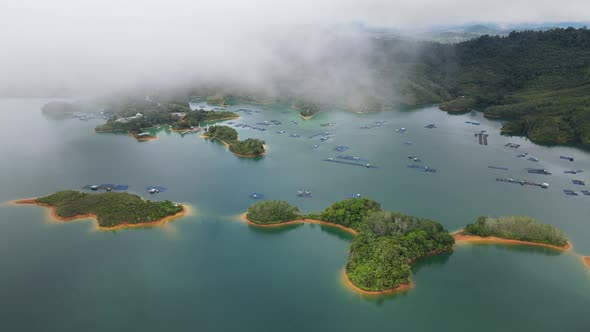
[
  {"x": 517, "y": 228},
  {"x": 250, "y": 147},
  {"x": 111, "y": 210},
  {"x": 306, "y": 109},
  {"x": 386, "y": 242}
]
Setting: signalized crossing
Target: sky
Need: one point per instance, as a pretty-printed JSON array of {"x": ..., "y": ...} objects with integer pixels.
[{"x": 84, "y": 46}]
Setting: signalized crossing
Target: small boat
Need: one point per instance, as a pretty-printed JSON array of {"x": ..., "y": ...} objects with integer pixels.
[
  {"x": 316, "y": 146},
  {"x": 533, "y": 159},
  {"x": 567, "y": 158},
  {"x": 153, "y": 191},
  {"x": 579, "y": 182},
  {"x": 94, "y": 187}
]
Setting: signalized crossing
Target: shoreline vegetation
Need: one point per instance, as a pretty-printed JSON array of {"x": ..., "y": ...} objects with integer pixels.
[
  {"x": 385, "y": 243},
  {"x": 110, "y": 211},
  {"x": 249, "y": 148}
]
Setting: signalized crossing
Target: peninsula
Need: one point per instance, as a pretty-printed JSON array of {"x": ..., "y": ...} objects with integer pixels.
[
  {"x": 385, "y": 244},
  {"x": 110, "y": 210},
  {"x": 248, "y": 148}
]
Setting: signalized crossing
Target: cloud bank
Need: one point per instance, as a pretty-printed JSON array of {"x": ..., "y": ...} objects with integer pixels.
[{"x": 89, "y": 46}]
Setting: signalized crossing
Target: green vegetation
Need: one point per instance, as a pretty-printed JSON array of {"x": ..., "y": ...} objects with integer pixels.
[
  {"x": 539, "y": 81},
  {"x": 459, "y": 105},
  {"x": 111, "y": 209},
  {"x": 272, "y": 212},
  {"x": 517, "y": 228},
  {"x": 194, "y": 118},
  {"x": 387, "y": 244},
  {"x": 306, "y": 109},
  {"x": 248, "y": 147}
]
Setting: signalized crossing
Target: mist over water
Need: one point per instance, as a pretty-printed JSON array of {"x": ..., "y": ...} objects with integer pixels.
[{"x": 272, "y": 48}]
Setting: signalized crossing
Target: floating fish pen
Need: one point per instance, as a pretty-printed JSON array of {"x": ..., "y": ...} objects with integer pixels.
[
  {"x": 105, "y": 186},
  {"x": 303, "y": 193},
  {"x": 247, "y": 111},
  {"x": 414, "y": 158},
  {"x": 475, "y": 123},
  {"x": 512, "y": 145},
  {"x": 498, "y": 167},
  {"x": 567, "y": 158},
  {"x": 573, "y": 171},
  {"x": 482, "y": 138},
  {"x": 533, "y": 159},
  {"x": 294, "y": 135},
  {"x": 570, "y": 192},
  {"x": 280, "y": 132},
  {"x": 324, "y": 138},
  {"x": 422, "y": 168},
  {"x": 538, "y": 171},
  {"x": 485, "y": 139},
  {"x": 256, "y": 195},
  {"x": 266, "y": 123},
  {"x": 238, "y": 125},
  {"x": 325, "y": 133},
  {"x": 341, "y": 148},
  {"x": 327, "y": 124},
  {"x": 259, "y": 129},
  {"x": 352, "y": 158},
  {"x": 401, "y": 130},
  {"x": 332, "y": 160},
  {"x": 276, "y": 122},
  {"x": 586, "y": 192},
  {"x": 155, "y": 189},
  {"x": 523, "y": 182},
  {"x": 430, "y": 126},
  {"x": 522, "y": 155},
  {"x": 357, "y": 195},
  {"x": 579, "y": 182}
]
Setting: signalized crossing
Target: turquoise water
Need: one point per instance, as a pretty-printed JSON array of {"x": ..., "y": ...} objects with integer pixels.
[{"x": 211, "y": 272}]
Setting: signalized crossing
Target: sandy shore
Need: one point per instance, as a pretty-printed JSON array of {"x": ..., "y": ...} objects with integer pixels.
[
  {"x": 586, "y": 260},
  {"x": 148, "y": 138},
  {"x": 461, "y": 238},
  {"x": 398, "y": 289},
  {"x": 186, "y": 210},
  {"x": 298, "y": 221}
]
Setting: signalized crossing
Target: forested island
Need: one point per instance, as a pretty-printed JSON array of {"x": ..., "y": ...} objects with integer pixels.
[
  {"x": 386, "y": 242},
  {"x": 517, "y": 229},
  {"x": 250, "y": 147},
  {"x": 111, "y": 210}
]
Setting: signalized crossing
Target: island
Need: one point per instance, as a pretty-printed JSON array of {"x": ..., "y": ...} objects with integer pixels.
[
  {"x": 248, "y": 148},
  {"x": 385, "y": 243},
  {"x": 513, "y": 229},
  {"x": 306, "y": 110},
  {"x": 111, "y": 210}
]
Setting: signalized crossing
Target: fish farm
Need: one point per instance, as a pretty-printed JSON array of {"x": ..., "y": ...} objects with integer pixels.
[
  {"x": 256, "y": 195},
  {"x": 352, "y": 158},
  {"x": 325, "y": 133},
  {"x": 573, "y": 171},
  {"x": 538, "y": 171},
  {"x": 106, "y": 187},
  {"x": 422, "y": 168},
  {"x": 512, "y": 145},
  {"x": 498, "y": 167},
  {"x": 303, "y": 193},
  {"x": 332, "y": 160},
  {"x": 570, "y": 192},
  {"x": 475, "y": 123},
  {"x": 523, "y": 182}
]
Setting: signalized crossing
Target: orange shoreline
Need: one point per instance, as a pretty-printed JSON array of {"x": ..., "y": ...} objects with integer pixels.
[
  {"x": 398, "y": 289},
  {"x": 148, "y": 138},
  {"x": 244, "y": 217},
  {"x": 237, "y": 154},
  {"x": 462, "y": 238},
  {"x": 53, "y": 213},
  {"x": 586, "y": 260},
  {"x": 347, "y": 282}
]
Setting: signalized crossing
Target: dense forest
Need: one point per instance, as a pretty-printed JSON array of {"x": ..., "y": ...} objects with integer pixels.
[
  {"x": 537, "y": 81},
  {"x": 248, "y": 147},
  {"x": 517, "y": 228},
  {"x": 111, "y": 209},
  {"x": 387, "y": 244}
]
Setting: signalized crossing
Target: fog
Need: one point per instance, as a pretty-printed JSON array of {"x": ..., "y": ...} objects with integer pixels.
[{"x": 268, "y": 47}]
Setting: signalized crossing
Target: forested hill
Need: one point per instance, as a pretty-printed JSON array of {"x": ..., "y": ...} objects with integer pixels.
[{"x": 537, "y": 80}]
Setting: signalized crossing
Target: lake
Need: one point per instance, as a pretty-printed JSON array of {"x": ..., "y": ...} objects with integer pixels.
[{"x": 211, "y": 272}]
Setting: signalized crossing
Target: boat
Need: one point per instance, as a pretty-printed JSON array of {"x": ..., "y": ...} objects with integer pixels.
[
  {"x": 153, "y": 191},
  {"x": 567, "y": 158},
  {"x": 579, "y": 182},
  {"x": 533, "y": 159}
]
